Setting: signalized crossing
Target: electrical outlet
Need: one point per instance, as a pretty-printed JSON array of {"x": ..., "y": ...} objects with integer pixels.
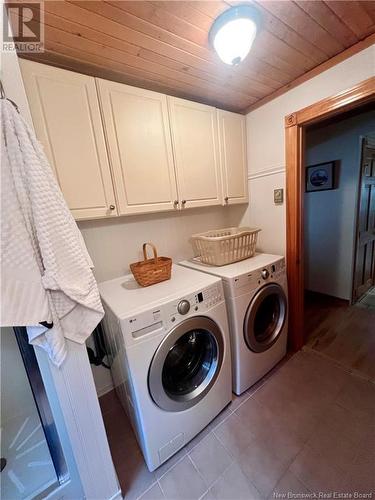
[{"x": 278, "y": 196}]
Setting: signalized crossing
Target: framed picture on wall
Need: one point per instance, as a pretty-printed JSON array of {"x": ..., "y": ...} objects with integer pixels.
[{"x": 320, "y": 177}]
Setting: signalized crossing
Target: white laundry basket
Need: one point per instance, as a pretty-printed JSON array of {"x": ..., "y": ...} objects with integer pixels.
[{"x": 224, "y": 246}]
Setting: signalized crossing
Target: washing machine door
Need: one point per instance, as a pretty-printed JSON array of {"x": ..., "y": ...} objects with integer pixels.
[
  {"x": 265, "y": 317},
  {"x": 186, "y": 364}
]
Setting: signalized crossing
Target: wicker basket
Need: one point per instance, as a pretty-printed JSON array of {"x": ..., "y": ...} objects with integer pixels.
[
  {"x": 224, "y": 246},
  {"x": 151, "y": 271}
]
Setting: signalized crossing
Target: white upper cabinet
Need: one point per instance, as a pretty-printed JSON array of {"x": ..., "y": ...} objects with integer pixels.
[
  {"x": 121, "y": 150},
  {"x": 66, "y": 116},
  {"x": 232, "y": 135},
  {"x": 196, "y": 152},
  {"x": 137, "y": 129}
]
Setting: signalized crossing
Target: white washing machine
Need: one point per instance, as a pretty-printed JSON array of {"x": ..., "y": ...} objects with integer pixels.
[
  {"x": 256, "y": 296},
  {"x": 170, "y": 356}
]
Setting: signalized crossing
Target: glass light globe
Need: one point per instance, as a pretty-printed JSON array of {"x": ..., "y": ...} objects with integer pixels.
[{"x": 234, "y": 39}]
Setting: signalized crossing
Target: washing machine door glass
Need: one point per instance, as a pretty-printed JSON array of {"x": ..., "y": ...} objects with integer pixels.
[
  {"x": 265, "y": 317},
  {"x": 186, "y": 364}
]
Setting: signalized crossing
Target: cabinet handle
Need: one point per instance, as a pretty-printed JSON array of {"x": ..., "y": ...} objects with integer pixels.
[
  {"x": 183, "y": 202},
  {"x": 175, "y": 203},
  {"x": 226, "y": 199},
  {"x": 112, "y": 207}
]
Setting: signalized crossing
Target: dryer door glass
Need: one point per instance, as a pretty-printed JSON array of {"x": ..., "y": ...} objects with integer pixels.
[
  {"x": 265, "y": 318},
  {"x": 186, "y": 364}
]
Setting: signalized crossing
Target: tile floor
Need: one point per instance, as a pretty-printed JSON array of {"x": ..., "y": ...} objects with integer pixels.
[
  {"x": 308, "y": 427},
  {"x": 344, "y": 333}
]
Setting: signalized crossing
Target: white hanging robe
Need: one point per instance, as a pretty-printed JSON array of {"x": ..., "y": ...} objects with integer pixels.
[{"x": 46, "y": 271}]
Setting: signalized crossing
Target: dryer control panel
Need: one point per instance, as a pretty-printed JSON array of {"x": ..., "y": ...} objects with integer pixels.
[{"x": 255, "y": 279}]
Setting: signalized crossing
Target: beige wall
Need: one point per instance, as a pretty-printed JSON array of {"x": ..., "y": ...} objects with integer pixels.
[
  {"x": 114, "y": 244},
  {"x": 266, "y": 150}
]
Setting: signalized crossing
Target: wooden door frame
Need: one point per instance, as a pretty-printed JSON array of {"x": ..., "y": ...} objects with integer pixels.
[{"x": 295, "y": 125}]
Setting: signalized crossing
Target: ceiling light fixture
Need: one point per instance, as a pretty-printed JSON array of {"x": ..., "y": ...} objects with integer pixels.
[{"x": 233, "y": 33}]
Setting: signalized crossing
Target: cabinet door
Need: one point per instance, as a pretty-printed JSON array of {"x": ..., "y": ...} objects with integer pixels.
[
  {"x": 137, "y": 128},
  {"x": 196, "y": 149},
  {"x": 232, "y": 135},
  {"x": 66, "y": 116}
]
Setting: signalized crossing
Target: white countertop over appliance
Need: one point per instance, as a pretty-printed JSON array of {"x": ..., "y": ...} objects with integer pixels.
[
  {"x": 125, "y": 297},
  {"x": 236, "y": 269}
]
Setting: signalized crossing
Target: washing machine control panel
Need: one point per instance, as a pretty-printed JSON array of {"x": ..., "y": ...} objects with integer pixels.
[
  {"x": 156, "y": 320},
  {"x": 192, "y": 304}
]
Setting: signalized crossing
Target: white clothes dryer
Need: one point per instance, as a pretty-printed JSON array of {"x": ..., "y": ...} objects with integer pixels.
[
  {"x": 170, "y": 356},
  {"x": 256, "y": 296}
]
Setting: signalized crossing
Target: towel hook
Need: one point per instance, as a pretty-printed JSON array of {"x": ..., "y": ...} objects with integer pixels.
[{"x": 3, "y": 96}]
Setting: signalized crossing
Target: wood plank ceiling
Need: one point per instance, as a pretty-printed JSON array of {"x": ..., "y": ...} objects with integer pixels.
[{"x": 163, "y": 45}]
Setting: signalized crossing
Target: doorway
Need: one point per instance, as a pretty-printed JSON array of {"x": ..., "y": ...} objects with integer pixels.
[
  {"x": 295, "y": 129},
  {"x": 339, "y": 223},
  {"x": 364, "y": 256}
]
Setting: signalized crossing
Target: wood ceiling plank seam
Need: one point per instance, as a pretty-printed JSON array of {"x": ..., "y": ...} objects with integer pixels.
[
  {"x": 186, "y": 12},
  {"x": 283, "y": 49},
  {"x": 257, "y": 90},
  {"x": 369, "y": 7},
  {"x": 259, "y": 66},
  {"x": 331, "y": 22},
  {"x": 164, "y": 19},
  {"x": 348, "y": 18},
  {"x": 121, "y": 26},
  {"x": 270, "y": 71},
  {"x": 125, "y": 70},
  {"x": 303, "y": 58},
  {"x": 129, "y": 7},
  {"x": 148, "y": 28},
  {"x": 248, "y": 88},
  {"x": 210, "y": 8},
  {"x": 275, "y": 63},
  {"x": 52, "y": 35},
  {"x": 286, "y": 34},
  {"x": 274, "y": 59},
  {"x": 135, "y": 9},
  {"x": 81, "y": 66},
  {"x": 296, "y": 19},
  {"x": 331, "y": 33},
  {"x": 340, "y": 45},
  {"x": 342, "y": 56}
]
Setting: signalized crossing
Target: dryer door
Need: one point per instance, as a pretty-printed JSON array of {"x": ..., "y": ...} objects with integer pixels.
[
  {"x": 186, "y": 364},
  {"x": 265, "y": 317}
]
